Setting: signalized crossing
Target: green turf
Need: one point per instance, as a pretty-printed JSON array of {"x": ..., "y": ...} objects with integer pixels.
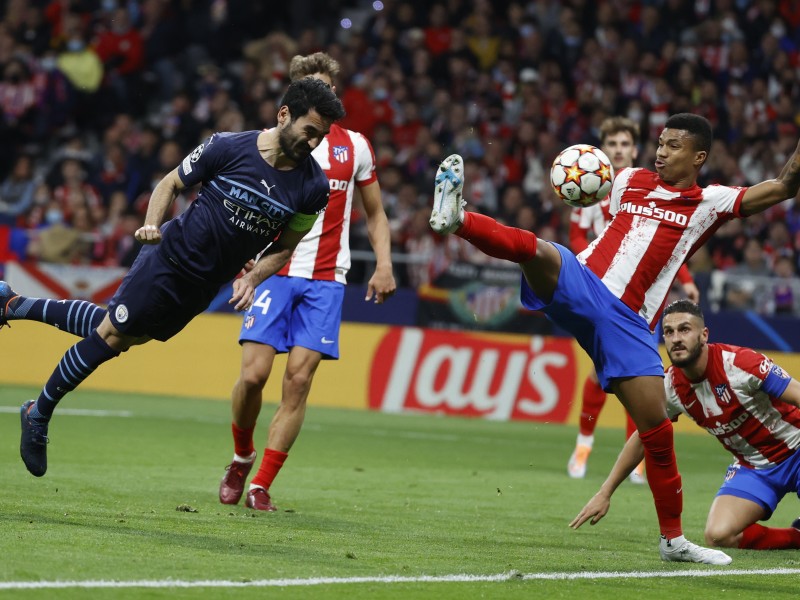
[{"x": 363, "y": 494}]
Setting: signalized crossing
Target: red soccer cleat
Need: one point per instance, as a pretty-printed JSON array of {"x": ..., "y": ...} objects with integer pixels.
[
  {"x": 231, "y": 487},
  {"x": 258, "y": 499}
]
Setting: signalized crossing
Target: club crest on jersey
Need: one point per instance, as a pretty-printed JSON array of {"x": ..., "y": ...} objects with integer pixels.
[
  {"x": 341, "y": 153},
  {"x": 723, "y": 393},
  {"x": 249, "y": 321}
]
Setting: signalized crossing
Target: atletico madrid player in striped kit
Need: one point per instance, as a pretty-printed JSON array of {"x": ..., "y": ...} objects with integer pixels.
[
  {"x": 751, "y": 406},
  {"x": 612, "y": 294},
  {"x": 299, "y": 310},
  {"x": 619, "y": 137}
]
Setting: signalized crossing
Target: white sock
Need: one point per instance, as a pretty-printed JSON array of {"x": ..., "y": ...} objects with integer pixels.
[
  {"x": 585, "y": 440},
  {"x": 244, "y": 459},
  {"x": 256, "y": 487}
]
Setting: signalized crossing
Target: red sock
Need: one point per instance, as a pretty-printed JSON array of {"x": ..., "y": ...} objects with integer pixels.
[
  {"x": 271, "y": 463},
  {"x": 494, "y": 239},
  {"x": 630, "y": 426},
  {"x": 243, "y": 440},
  {"x": 663, "y": 477},
  {"x": 594, "y": 397},
  {"x": 758, "y": 537}
]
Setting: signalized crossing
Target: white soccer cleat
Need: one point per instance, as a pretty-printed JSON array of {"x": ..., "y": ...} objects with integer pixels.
[
  {"x": 576, "y": 467},
  {"x": 637, "y": 475},
  {"x": 448, "y": 201},
  {"x": 680, "y": 549}
]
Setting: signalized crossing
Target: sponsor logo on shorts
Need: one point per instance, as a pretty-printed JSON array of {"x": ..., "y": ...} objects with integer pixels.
[
  {"x": 121, "y": 313},
  {"x": 325, "y": 340}
]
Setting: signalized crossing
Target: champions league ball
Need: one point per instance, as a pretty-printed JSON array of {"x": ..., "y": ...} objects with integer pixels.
[{"x": 582, "y": 175}]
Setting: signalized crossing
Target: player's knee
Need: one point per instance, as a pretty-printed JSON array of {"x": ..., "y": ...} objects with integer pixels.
[
  {"x": 720, "y": 535},
  {"x": 253, "y": 379}
]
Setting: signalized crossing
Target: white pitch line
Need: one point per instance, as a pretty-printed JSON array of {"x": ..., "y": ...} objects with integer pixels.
[
  {"x": 77, "y": 412},
  {"x": 463, "y": 578}
]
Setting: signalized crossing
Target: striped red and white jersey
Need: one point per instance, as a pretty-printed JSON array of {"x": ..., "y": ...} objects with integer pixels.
[
  {"x": 324, "y": 253},
  {"x": 737, "y": 402},
  {"x": 654, "y": 229}
]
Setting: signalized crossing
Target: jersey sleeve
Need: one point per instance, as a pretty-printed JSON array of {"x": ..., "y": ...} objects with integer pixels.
[
  {"x": 205, "y": 160},
  {"x": 765, "y": 374},
  {"x": 620, "y": 183},
  {"x": 674, "y": 405},
  {"x": 364, "y": 172},
  {"x": 727, "y": 200}
]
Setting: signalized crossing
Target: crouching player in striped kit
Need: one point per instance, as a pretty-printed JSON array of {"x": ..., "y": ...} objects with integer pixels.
[
  {"x": 751, "y": 406},
  {"x": 612, "y": 294}
]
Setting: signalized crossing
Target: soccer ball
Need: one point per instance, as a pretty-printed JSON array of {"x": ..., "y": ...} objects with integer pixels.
[{"x": 582, "y": 175}]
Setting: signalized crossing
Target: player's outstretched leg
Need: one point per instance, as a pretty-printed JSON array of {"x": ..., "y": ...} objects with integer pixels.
[
  {"x": 77, "y": 317},
  {"x": 593, "y": 400},
  {"x": 448, "y": 200},
  {"x": 680, "y": 549}
]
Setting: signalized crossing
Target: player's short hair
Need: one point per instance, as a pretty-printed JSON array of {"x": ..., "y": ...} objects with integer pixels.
[
  {"x": 614, "y": 125},
  {"x": 698, "y": 127},
  {"x": 685, "y": 306},
  {"x": 307, "y": 93},
  {"x": 319, "y": 62}
]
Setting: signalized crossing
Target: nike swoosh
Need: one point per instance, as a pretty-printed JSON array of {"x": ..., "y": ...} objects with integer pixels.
[{"x": 324, "y": 341}]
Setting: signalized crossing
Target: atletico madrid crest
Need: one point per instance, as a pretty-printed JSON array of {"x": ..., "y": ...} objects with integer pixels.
[{"x": 341, "y": 153}]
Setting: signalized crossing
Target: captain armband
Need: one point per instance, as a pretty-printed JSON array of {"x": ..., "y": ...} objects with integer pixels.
[{"x": 301, "y": 222}]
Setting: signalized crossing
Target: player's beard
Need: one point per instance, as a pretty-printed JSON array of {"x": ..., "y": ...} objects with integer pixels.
[
  {"x": 692, "y": 354},
  {"x": 287, "y": 141}
]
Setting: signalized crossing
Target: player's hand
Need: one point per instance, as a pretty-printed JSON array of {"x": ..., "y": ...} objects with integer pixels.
[
  {"x": 595, "y": 510},
  {"x": 691, "y": 291},
  {"x": 243, "y": 294},
  {"x": 381, "y": 286},
  {"x": 148, "y": 234}
]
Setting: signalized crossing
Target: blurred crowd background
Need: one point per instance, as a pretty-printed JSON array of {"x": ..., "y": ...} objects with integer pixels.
[{"x": 100, "y": 98}]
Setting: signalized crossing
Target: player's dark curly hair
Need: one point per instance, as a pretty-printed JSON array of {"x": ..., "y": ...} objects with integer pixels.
[
  {"x": 685, "y": 306},
  {"x": 305, "y": 94},
  {"x": 698, "y": 127}
]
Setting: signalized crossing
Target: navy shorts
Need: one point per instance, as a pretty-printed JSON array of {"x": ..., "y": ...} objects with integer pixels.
[
  {"x": 765, "y": 487},
  {"x": 618, "y": 340},
  {"x": 294, "y": 311},
  {"x": 156, "y": 300}
]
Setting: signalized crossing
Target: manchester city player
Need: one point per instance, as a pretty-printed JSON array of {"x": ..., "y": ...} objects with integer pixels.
[{"x": 260, "y": 189}]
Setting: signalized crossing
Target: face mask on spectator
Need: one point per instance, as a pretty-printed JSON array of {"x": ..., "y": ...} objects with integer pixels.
[{"x": 75, "y": 45}]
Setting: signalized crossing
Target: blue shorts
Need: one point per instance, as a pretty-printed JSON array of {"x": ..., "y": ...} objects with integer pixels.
[
  {"x": 765, "y": 487},
  {"x": 156, "y": 300},
  {"x": 618, "y": 340},
  {"x": 294, "y": 311}
]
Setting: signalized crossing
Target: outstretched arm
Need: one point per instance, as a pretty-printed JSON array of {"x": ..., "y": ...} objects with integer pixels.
[
  {"x": 773, "y": 191},
  {"x": 631, "y": 455},
  {"x": 381, "y": 285},
  {"x": 791, "y": 394},
  {"x": 160, "y": 201}
]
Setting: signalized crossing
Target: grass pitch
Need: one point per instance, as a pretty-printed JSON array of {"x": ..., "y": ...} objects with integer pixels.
[{"x": 371, "y": 505}]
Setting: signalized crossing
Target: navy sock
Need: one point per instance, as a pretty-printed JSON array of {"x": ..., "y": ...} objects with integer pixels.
[
  {"x": 77, "y": 364},
  {"x": 77, "y": 317}
]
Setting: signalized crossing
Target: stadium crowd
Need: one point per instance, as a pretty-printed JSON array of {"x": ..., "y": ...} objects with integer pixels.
[{"x": 99, "y": 98}]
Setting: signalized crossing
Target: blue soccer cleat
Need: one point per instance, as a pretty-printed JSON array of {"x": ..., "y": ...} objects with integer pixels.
[
  {"x": 33, "y": 442},
  {"x": 6, "y": 296}
]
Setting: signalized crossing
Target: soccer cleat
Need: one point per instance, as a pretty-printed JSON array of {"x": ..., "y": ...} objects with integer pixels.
[
  {"x": 448, "y": 201},
  {"x": 680, "y": 549},
  {"x": 6, "y": 296},
  {"x": 576, "y": 467},
  {"x": 258, "y": 499},
  {"x": 637, "y": 475},
  {"x": 33, "y": 442},
  {"x": 231, "y": 487},
  {"x": 796, "y": 523}
]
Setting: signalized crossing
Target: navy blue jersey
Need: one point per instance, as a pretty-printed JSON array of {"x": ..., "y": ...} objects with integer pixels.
[{"x": 243, "y": 206}]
